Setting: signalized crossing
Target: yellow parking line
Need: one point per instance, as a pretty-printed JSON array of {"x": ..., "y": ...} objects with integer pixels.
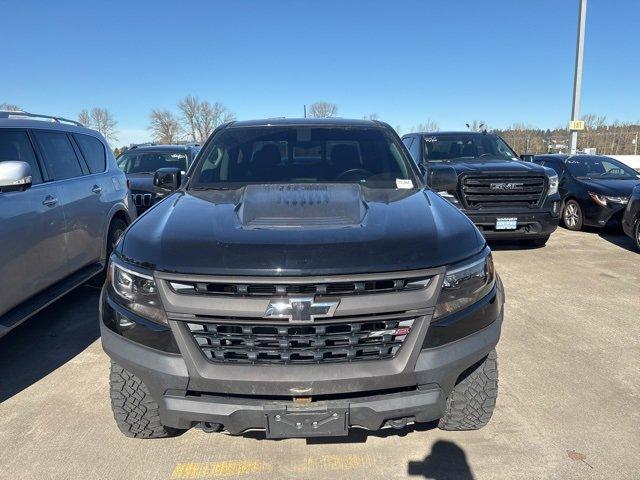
[
  {"x": 231, "y": 468},
  {"x": 185, "y": 471}
]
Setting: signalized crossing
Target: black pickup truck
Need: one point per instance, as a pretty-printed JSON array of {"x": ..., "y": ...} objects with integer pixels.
[
  {"x": 504, "y": 196},
  {"x": 302, "y": 280}
]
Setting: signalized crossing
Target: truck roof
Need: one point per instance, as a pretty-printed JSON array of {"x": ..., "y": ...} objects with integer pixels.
[{"x": 320, "y": 122}]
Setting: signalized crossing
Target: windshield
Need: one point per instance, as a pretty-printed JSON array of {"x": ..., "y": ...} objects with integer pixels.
[
  {"x": 149, "y": 162},
  {"x": 292, "y": 154},
  {"x": 599, "y": 167},
  {"x": 464, "y": 146}
]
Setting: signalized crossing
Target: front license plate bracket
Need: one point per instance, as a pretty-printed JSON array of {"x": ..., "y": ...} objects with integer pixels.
[{"x": 302, "y": 422}]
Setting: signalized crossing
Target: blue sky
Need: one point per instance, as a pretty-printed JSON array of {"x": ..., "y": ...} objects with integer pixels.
[{"x": 450, "y": 61}]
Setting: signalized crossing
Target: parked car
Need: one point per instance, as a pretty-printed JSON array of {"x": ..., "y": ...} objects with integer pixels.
[
  {"x": 141, "y": 162},
  {"x": 595, "y": 189},
  {"x": 506, "y": 197},
  {"x": 302, "y": 281},
  {"x": 631, "y": 217},
  {"x": 63, "y": 205}
]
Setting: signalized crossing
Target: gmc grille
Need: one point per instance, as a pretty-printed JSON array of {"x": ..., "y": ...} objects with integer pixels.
[
  {"x": 502, "y": 191},
  {"x": 294, "y": 344}
]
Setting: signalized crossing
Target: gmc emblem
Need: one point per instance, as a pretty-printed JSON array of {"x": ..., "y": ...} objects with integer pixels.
[{"x": 506, "y": 186}]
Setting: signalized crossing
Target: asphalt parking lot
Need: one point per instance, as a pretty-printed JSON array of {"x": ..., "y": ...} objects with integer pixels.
[{"x": 569, "y": 402}]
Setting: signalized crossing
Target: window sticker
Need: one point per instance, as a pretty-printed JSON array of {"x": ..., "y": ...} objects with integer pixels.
[
  {"x": 430, "y": 139},
  {"x": 402, "y": 183}
]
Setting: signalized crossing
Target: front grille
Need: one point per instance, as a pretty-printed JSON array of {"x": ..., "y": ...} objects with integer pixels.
[
  {"x": 502, "y": 191},
  {"x": 142, "y": 199},
  {"x": 300, "y": 344},
  {"x": 270, "y": 289}
]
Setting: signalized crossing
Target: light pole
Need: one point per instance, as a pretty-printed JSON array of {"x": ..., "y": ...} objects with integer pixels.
[{"x": 577, "y": 79}]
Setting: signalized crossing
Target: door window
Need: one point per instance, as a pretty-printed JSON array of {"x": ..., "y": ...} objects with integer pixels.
[
  {"x": 59, "y": 156},
  {"x": 93, "y": 151},
  {"x": 15, "y": 146}
]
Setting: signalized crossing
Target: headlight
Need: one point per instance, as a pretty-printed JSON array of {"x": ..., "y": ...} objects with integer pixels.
[
  {"x": 553, "y": 184},
  {"x": 137, "y": 292},
  {"x": 604, "y": 200},
  {"x": 464, "y": 284}
]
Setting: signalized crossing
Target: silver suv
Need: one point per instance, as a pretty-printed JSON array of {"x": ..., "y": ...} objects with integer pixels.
[{"x": 63, "y": 205}]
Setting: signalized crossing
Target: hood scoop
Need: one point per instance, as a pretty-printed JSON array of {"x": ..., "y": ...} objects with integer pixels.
[{"x": 301, "y": 205}]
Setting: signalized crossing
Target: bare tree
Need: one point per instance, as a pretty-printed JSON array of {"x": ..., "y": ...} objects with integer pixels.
[
  {"x": 100, "y": 119},
  {"x": 165, "y": 126},
  {"x": 200, "y": 118},
  {"x": 10, "y": 107},
  {"x": 323, "y": 110},
  {"x": 84, "y": 117},
  {"x": 477, "y": 126},
  {"x": 428, "y": 126},
  {"x": 371, "y": 116}
]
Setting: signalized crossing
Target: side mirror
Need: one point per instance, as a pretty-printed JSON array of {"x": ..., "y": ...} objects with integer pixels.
[
  {"x": 443, "y": 179},
  {"x": 14, "y": 176},
  {"x": 526, "y": 157},
  {"x": 167, "y": 179}
]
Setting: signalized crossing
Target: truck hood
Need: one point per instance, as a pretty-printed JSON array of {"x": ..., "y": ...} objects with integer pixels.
[
  {"x": 491, "y": 166},
  {"x": 299, "y": 230}
]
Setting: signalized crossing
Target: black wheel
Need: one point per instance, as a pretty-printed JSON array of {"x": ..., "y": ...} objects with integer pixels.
[
  {"x": 572, "y": 215},
  {"x": 636, "y": 234},
  {"x": 536, "y": 242},
  {"x": 471, "y": 403},
  {"x": 134, "y": 410},
  {"x": 117, "y": 227}
]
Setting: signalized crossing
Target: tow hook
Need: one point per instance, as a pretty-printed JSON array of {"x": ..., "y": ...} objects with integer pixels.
[{"x": 400, "y": 423}]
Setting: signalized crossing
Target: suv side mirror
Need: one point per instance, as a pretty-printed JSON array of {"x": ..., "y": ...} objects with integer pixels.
[
  {"x": 443, "y": 179},
  {"x": 527, "y": 157},
  {"x": 14, "y": 176},
  {"x": 167, "y": 179}
]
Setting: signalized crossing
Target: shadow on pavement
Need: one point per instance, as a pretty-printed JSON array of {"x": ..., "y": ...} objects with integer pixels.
[
  {"x": 446, "y": 461},
  {"x": 498, "y": 245},
  {"x": 619, "y": 239},
  {"x": 48, "y": 340}
]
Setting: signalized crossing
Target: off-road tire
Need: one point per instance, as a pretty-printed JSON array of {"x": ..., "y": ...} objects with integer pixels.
[
  {"x": 116, "y": 228},
  {"x": 134, "y": 409},
  {"x": 473, "y": 399}
]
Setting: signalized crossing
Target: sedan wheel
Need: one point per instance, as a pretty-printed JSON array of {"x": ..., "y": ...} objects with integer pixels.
[
  {"x": 637, "y": 235},
  {"x": 572, "y": 215}
]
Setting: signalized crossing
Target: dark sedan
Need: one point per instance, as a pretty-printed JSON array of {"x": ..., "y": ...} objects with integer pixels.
[
  {"x": 631, "y": 217},
  {"x": 595, "y": 189}
]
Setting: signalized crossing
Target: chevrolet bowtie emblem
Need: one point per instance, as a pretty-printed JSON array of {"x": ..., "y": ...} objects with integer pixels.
[{"x": 300, "y": 309}]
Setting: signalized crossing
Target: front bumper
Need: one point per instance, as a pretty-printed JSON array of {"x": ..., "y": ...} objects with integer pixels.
[
  {"x": 371, "y": 392},
  {"x": 529, "y": 224},
  {"x": 598, "y": 216}
]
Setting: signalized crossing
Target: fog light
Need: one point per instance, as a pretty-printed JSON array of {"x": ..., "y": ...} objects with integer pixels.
[{"x": 123, "y": 322}]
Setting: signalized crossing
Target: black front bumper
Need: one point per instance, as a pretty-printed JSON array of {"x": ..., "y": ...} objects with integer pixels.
[
  {"x": 531, "y": 225},
  {"x": 366, "y": 394}
]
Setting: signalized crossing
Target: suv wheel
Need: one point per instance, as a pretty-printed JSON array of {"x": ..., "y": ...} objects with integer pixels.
[
  {"x": 572, "y": 215},
  {"x": 636, "y": 234},
  {"x": 116, "y": 229},
  {"x": 472, "y": 401},
  {"x": 135, "y": 411}
]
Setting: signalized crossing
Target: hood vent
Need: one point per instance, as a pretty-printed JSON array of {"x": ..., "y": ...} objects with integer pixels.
[{"x": 301, "y": 205}]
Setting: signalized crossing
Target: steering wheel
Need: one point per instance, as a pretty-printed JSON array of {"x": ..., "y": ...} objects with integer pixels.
[{"x": 358, "y": 173}]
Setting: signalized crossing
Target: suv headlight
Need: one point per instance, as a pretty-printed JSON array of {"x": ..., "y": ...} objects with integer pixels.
[
  {"x": 603, "y": 200},
  {"x": 136, "y": 292},
  {"x": 553, "y": 185},
  {"x": 466, "y": 283}
]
